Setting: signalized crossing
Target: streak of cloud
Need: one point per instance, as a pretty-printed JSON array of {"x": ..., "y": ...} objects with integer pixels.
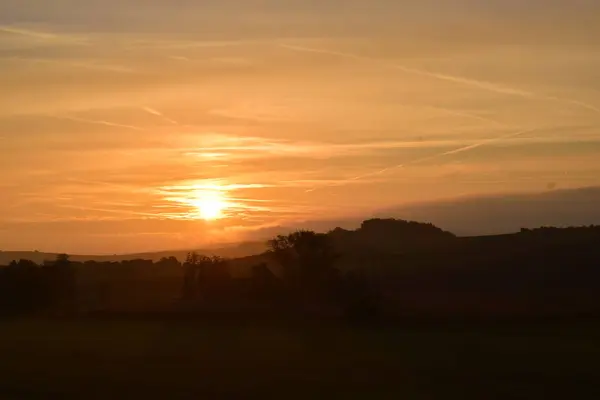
[
  {"x": 487, "y": 141},
  {"x": 157, "y": 113},
  {"x": 40, "y": 35},
  {"x": 165, "y": 44},
  {"x": 75, "y": 64},
  {"x": 464, "y": 114},
  {"x": 431, "y": 158},
  {"x": 211, "y": 185},
  {"x": 247, "y": 148},
  {"x": 111, "y": 211},
  {"x": 180, "y": 58},
  {"x": 117, "y": 186},
  {"x": 478, "y": 84},
  {"x": 97, "y": 122},
  {"x": 28, "y": 33}
]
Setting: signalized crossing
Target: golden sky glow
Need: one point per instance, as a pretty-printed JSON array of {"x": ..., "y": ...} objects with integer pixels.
[
  {"x": 210, "y": 205},
  {"x": 137, "y": 125}
]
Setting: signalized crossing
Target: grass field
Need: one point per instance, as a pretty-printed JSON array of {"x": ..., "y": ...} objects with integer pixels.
[{"x": 165, "y": 359}]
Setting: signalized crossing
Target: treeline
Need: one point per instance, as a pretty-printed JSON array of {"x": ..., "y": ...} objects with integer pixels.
[
  {"x": 26, "y": 287},
  {"x": 307, "y": 282},
  {"x": 385, "y": 268}
]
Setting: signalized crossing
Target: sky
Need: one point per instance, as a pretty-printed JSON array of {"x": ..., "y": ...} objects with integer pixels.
[{"x": 127, "y": 125}]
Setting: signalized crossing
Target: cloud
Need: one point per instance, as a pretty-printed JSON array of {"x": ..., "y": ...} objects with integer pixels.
[
  {"x": 89, "y": 65},
  {"x": 29, "y": 33},
  {"x": 478, "y": 84},
  {"x": 43, "y": 36},
  {"x": 157, "y": 113},
  {"x": 187, "y": 44},
  {"x": 97, "y": 122},
  {"x": 119, "y": 211},
  {"x": 433, "y": 157},
  {"x": 470, "y": 115},
  {"x": 231, "y": 148},
  {"x": 180, "y": 58}
]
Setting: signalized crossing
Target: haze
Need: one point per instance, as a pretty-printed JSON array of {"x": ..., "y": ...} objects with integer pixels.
[{"x": 147, "y": 125}]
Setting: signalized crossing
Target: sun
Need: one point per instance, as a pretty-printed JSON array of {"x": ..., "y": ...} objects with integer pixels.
[{"x": 210, "y": 205}]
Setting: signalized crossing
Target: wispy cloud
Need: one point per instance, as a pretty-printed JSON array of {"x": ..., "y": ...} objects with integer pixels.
[
  {"x": 470, "y": 115},
  {"x": 157, "y": 113},
  {"x": 212, "y": 184},
  {"x": 430, "y": 158},
  {"x": 474, "y": 83},
  {"x": 180, "y": 58},
  {"x": 232, "y": 148},
  {"x": 89, "y": 65},
  {"x": 28, "y": 33},
  {"x": 118, "y": 211},
  {"x": 187, "y": 44},
  {"x": 97, "y": 122},
  {"x": 186, "y": 198},
  {"x": 41, "y": 35}
]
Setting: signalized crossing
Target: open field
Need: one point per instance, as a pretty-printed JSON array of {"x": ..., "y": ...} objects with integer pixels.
[{"x": 153, "y": 358}]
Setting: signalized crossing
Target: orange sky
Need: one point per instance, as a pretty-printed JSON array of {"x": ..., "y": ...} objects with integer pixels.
[{"x": 117, "y": 118}]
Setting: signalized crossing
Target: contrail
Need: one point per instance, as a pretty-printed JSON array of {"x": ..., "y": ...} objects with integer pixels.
[
  {"x": 97, "y": 122},
  {"x": 86, "y": 65},
  {"x": 576, "y": 103},
  {"x": 108, "y": 210},
  {"x": 483, "y": 85},
  {"x": 492, "y": 87},
  {"x": 28, "y": 33},
  {"x": 180, "y": 58},
  {"x": 182, "y": 45},
  {"x": 159, "y": 114},
  {"x": 433, "y": 157},
  {"x": 42, "y": 35},
  {"x": 465, "y": 114},
  {"x": 483, "y": 143}
]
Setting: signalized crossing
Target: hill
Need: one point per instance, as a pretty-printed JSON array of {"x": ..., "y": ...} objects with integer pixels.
[
  {"x": 407, "y": 268},
  {"x": 230, "y": 251},
  {"x": 507, "y": 213}
]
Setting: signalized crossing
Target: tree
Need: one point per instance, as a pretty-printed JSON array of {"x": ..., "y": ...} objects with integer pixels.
[
  {"x": 306, "y": 257},
  {"x": 62, "y": 259},
  {"x": 61, "y": 281},
  {"x": 189, "y": 278},
  {"x": 21, "y": 288},
  {"x": 169, "y": 262},
  {"x": 204, "y": 275}
]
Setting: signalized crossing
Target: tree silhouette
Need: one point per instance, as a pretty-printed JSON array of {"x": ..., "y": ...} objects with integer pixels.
[
  {"x": 61, "y": 283},
  {"x": 22, "y": 288},
  {"x": 189, "y": 278},
  {"x": 204, "y": 275},
  {"x": 306, "y": 257},
  {"x": 62, "y": 259},
  {"x": 168, "y": 262}
]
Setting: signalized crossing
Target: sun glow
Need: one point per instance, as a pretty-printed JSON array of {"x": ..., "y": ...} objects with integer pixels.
[
  {"x": 210, "y": 205},
  {"x": 208, "y": 200}
]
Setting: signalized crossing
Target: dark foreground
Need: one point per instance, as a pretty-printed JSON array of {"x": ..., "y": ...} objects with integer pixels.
[{"x": 41, "y": 359}]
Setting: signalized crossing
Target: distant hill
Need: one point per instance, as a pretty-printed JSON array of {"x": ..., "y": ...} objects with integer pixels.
[
  {"x": 239, "y": 250},
  {"x": 415, "y": 269},
  {"x": 389, "y": 236},
  {"x": 478, "y": 215},
  {"x": 507, "y": 213}
]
